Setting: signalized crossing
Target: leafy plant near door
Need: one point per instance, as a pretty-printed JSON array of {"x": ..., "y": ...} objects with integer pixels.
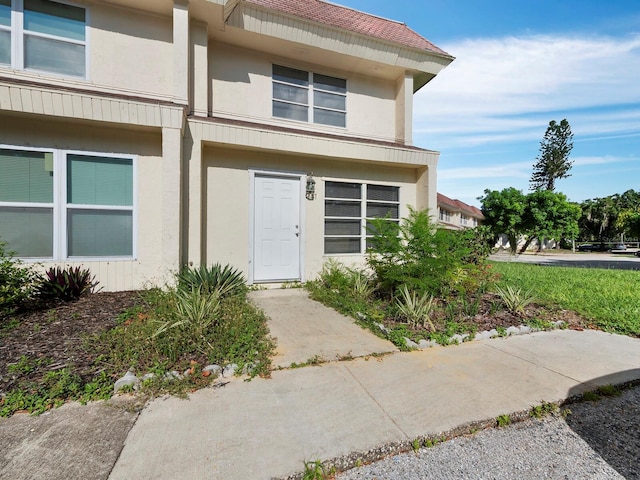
[{"x": 426, "y": 283}]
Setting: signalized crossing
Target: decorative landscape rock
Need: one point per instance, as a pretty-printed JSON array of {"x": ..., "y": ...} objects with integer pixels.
[
  {"x": 173, "y": 375},
  {"x": 424, "y": 344},
  {"x": 524, "y": 329},
  {"x": 513, "y": 331},
  {"x": 457, "y": 338},
  {"x": 410, "y": 343},
  {"x": 214, "y": 370},
  {"x": 229, "y": 370},
  {"x": 382, "y": 328},
  {"x": 129, "y": 379},
  {"x": 484, "y": 335},
  {"x": 148, "y": 376}
]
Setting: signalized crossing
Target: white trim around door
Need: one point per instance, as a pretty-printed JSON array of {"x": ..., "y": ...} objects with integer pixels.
[{"x": 276, "y": 233}]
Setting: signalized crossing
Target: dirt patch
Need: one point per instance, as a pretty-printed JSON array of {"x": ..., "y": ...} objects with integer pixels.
[{"x": 53, "y": 336}]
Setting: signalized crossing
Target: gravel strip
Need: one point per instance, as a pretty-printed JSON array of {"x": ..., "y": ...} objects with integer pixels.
[{"x": 599, "y": 440}]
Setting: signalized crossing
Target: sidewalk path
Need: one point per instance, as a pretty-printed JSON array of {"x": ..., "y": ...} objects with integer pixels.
[
  {"x": 305, "y": 329},
  {"x": 267, "y": 427}
]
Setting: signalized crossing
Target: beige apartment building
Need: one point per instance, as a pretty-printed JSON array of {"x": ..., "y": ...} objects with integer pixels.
[
  {"x": 137, "y": 136},
  {"x": 454, "y": 214}
]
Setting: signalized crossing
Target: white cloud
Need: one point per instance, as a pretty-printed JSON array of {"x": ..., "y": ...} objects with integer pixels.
[
  {"x": 507, "y": 89},
  {"x": 520, "y": 170},
  {"x": 584, "y": 161}
]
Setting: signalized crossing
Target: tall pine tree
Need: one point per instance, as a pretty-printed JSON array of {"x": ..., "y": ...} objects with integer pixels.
[{"x": 553, "y": 161}]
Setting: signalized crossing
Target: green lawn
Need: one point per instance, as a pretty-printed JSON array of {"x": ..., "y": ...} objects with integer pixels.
[{"x": 609, "y": 298}]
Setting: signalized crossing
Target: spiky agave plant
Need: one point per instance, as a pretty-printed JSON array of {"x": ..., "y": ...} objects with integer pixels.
[{"x": 223, "y": 280}]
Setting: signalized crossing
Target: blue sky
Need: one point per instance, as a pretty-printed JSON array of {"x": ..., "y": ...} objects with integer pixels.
[{"x": 520, "y": 64}]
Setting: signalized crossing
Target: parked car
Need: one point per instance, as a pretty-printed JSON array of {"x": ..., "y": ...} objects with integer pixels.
[
  {"x": 619, "y": 246},
  {"x": 591, "y": 247},
  {"x": 637, "y": 254}
]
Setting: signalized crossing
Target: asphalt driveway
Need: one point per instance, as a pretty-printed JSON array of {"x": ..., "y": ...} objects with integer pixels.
[{"x": 620, "y": 261}]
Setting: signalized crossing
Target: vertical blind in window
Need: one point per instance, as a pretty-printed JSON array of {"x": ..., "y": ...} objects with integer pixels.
[
  {"x": 96, "y": 186},
  {"x": 93, "y": 218},
  {"x": 26, "y": 202}
]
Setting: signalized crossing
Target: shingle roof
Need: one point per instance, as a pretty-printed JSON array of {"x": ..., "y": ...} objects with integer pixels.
[
  {"x": 351, "y": 20},
  {"x": 458, "y": 205}
]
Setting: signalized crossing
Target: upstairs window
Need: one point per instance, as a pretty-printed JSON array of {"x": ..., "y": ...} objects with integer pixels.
[
  {"x": 445, "y": 215},
  {"x": 43, "y": 36},
  {"x": 309, "y": 97},
  {"x": 464, "y": 220}
]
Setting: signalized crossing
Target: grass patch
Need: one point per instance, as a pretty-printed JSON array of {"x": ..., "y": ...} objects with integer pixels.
[{"x": 607, "y": 298}]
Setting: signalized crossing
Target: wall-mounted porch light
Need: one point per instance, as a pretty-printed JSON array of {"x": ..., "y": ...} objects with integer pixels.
[{"x": 311, "y": 187}]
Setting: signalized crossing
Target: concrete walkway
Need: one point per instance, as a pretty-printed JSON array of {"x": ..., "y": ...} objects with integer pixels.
[
  {"x": 268, "y": 427},
  {"x": 305, "y": 329}
]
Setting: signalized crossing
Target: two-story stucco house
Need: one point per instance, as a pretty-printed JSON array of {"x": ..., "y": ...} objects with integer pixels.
[
  {"x": 454, "y": 214},
  {"x": 137, "y": 136}
]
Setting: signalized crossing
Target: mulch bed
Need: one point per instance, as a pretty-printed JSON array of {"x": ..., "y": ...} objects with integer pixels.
[{"x": 55, "y": 332}]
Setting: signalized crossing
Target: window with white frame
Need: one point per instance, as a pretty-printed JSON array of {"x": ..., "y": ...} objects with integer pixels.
[
  {"x": 445, "y": 215},
  {"x": 63, "y": 205},
  {"x": 309, "y": 97},
  {"x": 348, "y": 207},
  {"x": 43, "y": 36},
  {"x": 464, "y": 220}
]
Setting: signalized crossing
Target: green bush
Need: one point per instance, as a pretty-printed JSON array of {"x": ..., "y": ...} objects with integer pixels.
[
  {"x": 426, "y": 259},
  {"x": 16, "y": 282},
  {"x": 223, "y": 280},
  {"x": 66, "y": 284}
]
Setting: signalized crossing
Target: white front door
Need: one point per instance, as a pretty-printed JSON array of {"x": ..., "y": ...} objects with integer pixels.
[{"x": 276, "y": 232}]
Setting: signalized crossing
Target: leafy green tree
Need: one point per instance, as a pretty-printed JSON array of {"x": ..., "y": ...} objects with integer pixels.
[
  {"x": 553, "y": 161},
  {"x": 549, "y": 215},
  {"x": 628, "y": 222},
  {"x": 599, "y": 220},
  {"x": 503, "y": 211}
]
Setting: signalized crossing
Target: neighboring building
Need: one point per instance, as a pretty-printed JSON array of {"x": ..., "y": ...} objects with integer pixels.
[
  {"x": 457, "y": 215},
  {"x": 137, "y": 136}
]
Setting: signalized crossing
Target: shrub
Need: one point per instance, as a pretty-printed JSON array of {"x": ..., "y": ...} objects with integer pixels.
[
  {"x": 16, "y": 282},
  {"x": 224, "y": 280},
  {"x": 425, "y": 259},
  {"x": 66, "y": 284}
]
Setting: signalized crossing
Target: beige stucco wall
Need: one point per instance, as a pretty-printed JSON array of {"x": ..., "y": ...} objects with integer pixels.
[
  {"x": 128, "y": 52},
  {"x": 241, "y": 86},
  {"x": 228, "y": 209},
  {"x": 145, "y": 145},
  {"x": 126, "y": 48}
]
